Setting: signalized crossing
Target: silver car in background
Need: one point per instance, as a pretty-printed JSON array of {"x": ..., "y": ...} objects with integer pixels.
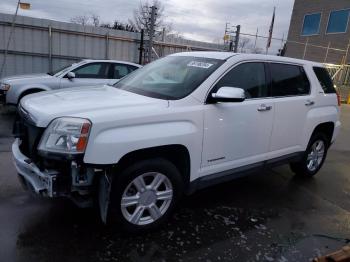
[{"x": 83, "y": 73}]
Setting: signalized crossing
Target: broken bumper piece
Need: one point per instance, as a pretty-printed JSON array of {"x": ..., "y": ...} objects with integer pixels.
[{"x": 42, "y": 182}]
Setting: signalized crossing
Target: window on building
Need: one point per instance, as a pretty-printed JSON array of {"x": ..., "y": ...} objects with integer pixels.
[
  {"x": 338, "y": 21},
  {"x": 311, "y": 24}
]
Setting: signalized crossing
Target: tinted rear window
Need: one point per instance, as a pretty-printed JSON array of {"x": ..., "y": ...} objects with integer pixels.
[
  {"x": 325, "y": 80},
  {"x": 289, "y": 80}
]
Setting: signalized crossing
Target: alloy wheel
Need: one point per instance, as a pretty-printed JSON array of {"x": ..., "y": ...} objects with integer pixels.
[
  {"x": 146, "y": 198},
  {"x": 316, "y": 155}
]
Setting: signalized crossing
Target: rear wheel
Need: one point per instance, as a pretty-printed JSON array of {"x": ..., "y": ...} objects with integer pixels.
[
  {"x": 145, "y": 194},
  {"x": 314, "y": 156}
]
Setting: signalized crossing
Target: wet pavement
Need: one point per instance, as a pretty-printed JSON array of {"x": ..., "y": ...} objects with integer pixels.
[{"x": 271, "y": 216}]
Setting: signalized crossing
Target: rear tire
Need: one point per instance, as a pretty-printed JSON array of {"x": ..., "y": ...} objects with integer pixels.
[
  {"x": 144, "y": 195},
  {"x": 313, "y": 158}
]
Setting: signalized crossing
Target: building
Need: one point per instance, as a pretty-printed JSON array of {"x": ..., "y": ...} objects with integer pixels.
[{"x": 319, "y": 31}]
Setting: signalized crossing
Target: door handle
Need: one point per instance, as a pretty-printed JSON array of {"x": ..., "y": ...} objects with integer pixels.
[
  {"x": 309, "y": 103},
  {"x": 264, "y": 107}
]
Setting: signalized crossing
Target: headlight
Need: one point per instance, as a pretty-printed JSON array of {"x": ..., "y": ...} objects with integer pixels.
[
  {"x": 5, "y": 87},
  {"x": 66, "y": 135}
]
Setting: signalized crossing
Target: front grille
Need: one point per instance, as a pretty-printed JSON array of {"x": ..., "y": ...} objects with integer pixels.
[{"x": 30, "y": 136}]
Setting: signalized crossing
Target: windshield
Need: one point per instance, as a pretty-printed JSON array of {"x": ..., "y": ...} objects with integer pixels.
[
  {"x": 54, "y": 72},
  {"x": 172, "y": 77}
]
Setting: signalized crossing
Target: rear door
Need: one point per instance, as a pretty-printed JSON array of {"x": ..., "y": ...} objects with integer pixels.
[
  {"x": 293, "y": 99},
  {"x": 90, "y": 74},
  {"x": 118, "y": 71}
]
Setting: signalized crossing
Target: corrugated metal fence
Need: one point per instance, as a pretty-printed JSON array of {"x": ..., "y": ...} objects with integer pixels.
[{"x": 40, "y": 45}]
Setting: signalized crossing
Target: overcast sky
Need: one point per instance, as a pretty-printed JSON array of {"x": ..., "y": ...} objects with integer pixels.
[{"x": 195, "y": 19}]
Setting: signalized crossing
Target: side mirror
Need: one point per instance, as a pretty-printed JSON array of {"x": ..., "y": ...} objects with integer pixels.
[
  {"x": 229, "y": 94},
  {"x": 70, "y": 75}
]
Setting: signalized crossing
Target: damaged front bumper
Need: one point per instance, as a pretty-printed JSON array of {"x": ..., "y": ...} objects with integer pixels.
[
  {"x": 42, "y": 182},
  {"x": 76, "y": 183},
  {"x": 82, "y": 184}
]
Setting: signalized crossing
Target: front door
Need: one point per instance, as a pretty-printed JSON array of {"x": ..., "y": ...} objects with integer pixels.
[
  {"x": 88, "y": 75},
  {"x": 238, "y": 134}
]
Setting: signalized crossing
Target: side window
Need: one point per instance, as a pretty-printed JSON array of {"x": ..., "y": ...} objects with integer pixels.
[
  {"x": 325, "y": 80},
  {"x": 132, "y": 68},
  {"x": 250, "y": 77},
  {"x": 289, "y": 80},
  {"x": 93, "y": 70},
  {"x": 118, "y": 71}
]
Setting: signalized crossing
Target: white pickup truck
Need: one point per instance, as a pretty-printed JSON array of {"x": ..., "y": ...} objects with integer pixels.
[{"x": 179, "y": 124}]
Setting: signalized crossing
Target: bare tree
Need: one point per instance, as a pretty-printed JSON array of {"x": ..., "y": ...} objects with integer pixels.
[
  {"x": 119, "y": 26},
  {"x": 91, "y": 19},
  {"x": 257, "y": 50},
  {"x": 80, "y": 19},
  {"x": 244, "y": 44},
  {"x": 142, "y": 17},
  {"x": 95, "y": 20}
]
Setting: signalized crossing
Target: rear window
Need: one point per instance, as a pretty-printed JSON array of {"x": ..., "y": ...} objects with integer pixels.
[
  {"x": 325, "y": 80},
  {"x": 288, "y": 80}
]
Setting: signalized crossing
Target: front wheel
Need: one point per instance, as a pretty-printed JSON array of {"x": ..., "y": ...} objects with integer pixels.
[
  {"x": 144, "y": 195},
  {"x": 313, "y": 158}
]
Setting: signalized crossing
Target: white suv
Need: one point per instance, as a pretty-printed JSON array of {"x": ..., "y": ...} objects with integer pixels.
[{"x": 181, "y": 123}]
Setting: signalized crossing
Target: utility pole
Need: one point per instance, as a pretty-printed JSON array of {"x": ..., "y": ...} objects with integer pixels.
[
  {"x": 151, "y": 32},
  {"x": 163, "y": 40},
  {"x": 226, "y": 35},
  {"x": 238, "y": 31},
  {"x": 256, "y": 36},
  {"x": 231, "y": 37},
  {"x": 141, "y": 48}
]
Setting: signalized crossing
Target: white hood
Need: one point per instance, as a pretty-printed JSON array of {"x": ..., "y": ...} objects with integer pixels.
[
  {"x": 27, "y": 77},
  {"x": 45, "y": 106}
]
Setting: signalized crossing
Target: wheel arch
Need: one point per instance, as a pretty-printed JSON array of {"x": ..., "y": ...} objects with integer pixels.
[
  {"x": 177, "y": 154},
  {"x": 326, "y": 128},
  {"x": 30, "y": 90}
]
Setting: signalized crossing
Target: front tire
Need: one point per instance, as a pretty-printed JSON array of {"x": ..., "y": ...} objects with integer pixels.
[
  {"x": 144, "y": 195},
  {"x": 313, "y": 158}
]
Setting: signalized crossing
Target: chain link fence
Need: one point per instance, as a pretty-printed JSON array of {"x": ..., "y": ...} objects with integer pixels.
[{"x": 341, "y": 78}]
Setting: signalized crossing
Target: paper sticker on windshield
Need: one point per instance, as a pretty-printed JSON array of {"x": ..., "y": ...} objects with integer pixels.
[{"x": 199, "y": 64}]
